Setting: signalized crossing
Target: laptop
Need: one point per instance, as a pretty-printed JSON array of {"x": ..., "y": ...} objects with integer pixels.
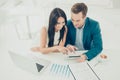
[{"x": 34, "y": 65}]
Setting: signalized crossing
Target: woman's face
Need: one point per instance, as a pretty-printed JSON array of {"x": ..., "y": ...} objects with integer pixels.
[{"x": 60, "y": 24}]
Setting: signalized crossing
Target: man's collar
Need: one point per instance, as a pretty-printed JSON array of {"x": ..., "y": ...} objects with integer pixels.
[{"x": 82, "y": 26}]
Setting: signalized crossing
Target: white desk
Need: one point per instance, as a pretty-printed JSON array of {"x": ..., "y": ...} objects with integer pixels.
[
  {"x": 105, "y": 69},
  {"x": 109, "y": 69}
]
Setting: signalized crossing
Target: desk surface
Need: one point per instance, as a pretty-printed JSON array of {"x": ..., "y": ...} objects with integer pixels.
[{"x": 106, "y": 69}]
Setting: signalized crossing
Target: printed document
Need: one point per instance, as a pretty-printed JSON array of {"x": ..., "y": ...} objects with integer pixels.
[{"x": 83, "y": 71}]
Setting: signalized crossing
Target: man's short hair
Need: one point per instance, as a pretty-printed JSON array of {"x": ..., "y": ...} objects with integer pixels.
[{"x": 79, "y": 7}]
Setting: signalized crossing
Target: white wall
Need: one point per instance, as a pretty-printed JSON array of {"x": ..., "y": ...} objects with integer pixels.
[
  {"x": 38, "y": 12},
  {"x": 13, "y": 17},
  {"x": 109, "y": 22}
]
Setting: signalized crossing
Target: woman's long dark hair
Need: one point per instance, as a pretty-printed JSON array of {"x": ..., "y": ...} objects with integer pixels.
[{"x": 55, "y": 14}]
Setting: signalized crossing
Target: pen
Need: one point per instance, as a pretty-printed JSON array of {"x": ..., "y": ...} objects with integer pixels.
[{"x": 74, "y": 56}]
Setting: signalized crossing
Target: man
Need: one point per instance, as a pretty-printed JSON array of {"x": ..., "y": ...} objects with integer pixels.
[{"x": 83, "y": 33}]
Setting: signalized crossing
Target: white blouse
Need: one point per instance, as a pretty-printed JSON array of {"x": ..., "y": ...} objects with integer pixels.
[
  {"x": 37, "y": 36},
  {"x": 56, "y": 38}
]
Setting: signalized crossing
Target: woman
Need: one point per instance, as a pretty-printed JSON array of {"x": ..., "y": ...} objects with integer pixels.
[{"x": 53, "y": 38}]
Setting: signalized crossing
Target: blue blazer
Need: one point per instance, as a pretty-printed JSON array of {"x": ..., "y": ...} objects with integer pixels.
[{"x": 92, "y": 40}]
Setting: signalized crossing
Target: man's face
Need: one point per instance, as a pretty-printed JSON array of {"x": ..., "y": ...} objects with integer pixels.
[{"x": 78, "y": 19}]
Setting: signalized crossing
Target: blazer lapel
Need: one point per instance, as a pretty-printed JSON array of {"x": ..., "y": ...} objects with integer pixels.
[
  {"x": 85, "y": 30},
  {"x": 74, "y": 35}
]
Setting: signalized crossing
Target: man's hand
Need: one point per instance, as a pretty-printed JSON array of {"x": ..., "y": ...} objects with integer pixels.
[
  {"x": 82, "y": 58},
  {"x": 71, "y": 48}
]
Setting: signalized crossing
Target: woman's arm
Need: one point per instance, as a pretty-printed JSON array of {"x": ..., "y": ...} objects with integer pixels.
[{"x": 43, "y": 42}]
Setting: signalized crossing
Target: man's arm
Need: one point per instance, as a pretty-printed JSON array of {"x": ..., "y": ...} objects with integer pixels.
[{"x": 96, "y": 46}]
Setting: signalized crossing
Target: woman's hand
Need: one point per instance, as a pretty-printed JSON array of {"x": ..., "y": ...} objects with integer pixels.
[
  {"x": 62, "y": 49},
  {"x": 35, "y": 49}
]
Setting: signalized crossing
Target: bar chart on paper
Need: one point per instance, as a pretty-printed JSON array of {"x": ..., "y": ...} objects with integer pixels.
[
  {"x": 77, "y": 71},
  {"x": 60, "y": 72}
]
